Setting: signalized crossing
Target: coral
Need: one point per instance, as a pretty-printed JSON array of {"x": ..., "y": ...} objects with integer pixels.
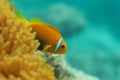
[
  {"x": 63, "y": 71},
  {"x": 19, "y": 58}
]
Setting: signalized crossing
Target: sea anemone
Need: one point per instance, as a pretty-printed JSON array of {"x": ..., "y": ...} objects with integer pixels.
[
  {"x": 25, "y": 67},
  {"x": 19, "y": 58}
]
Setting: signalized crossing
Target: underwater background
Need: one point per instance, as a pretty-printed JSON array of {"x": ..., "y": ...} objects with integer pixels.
[{"x": 91, "y": 29}]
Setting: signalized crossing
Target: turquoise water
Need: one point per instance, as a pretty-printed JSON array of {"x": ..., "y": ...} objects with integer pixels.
[{"x": 91, "y": 29}]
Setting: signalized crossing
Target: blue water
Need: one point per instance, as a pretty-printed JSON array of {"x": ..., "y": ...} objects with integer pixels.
[{"x": 91, "y": 29}]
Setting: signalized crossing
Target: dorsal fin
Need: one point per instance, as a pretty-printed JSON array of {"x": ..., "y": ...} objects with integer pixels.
[
  {"x": 32, "y": 20},
  {"x": 19, "y": 15},
  {"x": 54, "y": 28},
  {"x": 36, "y": 20}
]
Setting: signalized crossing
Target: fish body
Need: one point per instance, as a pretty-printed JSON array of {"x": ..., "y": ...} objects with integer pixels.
[{"x": 49, "y": 37}]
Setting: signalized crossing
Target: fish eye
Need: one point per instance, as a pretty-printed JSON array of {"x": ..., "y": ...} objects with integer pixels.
[{"x": 62, "y": 46}]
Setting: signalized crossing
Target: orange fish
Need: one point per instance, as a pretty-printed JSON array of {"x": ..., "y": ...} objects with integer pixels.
[{"x": 49, "y": 37}]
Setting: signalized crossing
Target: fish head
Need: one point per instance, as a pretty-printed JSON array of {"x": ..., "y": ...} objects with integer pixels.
[{"x": 60, "y": 47}]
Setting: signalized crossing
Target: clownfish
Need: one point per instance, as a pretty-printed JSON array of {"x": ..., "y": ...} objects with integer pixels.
[{"x": 49, "y": 37}]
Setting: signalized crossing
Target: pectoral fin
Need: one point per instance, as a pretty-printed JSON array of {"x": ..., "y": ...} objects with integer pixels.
[{"x": 46, "y": 47}]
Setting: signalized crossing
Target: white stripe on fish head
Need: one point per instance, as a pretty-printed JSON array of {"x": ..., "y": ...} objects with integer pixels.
[{"x": 58, "y": 44}]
